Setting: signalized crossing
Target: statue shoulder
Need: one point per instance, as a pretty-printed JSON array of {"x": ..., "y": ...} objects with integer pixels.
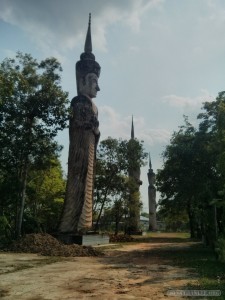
[{"x": 79, "y": 100}]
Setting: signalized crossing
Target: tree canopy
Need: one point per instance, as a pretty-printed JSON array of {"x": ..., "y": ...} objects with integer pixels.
[
  {"x": 33, "y": 108},
  {"x": 192, "y": 178},
  {"x": 113, "y": 187}
]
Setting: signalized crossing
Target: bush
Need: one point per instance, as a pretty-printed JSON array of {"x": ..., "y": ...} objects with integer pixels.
[
  {"x": 220, "y": 249},
  {"x": 5, "y": 233}
]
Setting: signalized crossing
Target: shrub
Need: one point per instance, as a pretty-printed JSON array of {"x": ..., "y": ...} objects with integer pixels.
[
  {"x": 220, "y": 249},
  {"x": 5, "y": 233}
]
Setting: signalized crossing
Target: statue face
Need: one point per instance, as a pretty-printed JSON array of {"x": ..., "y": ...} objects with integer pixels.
[{"x": 89, "y": 85}]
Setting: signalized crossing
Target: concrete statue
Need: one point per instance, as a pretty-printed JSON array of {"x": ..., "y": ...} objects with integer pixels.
[
  {"x": 83, "y": 135},
  {"x": 152, "y": 198},
  {"x": 134, "y": 200}
]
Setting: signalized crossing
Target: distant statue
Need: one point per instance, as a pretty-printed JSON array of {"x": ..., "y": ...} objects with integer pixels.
[
  {"x": 152, "y": 198},
  {"x": 134, "y": 205},
  {"x": 84, "y": 135}
]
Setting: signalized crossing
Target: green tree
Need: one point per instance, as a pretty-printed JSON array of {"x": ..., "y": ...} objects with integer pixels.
[
  {"x": 45, "y": 197},
  {"x": 192, "y": 177},
  {"x": 145, "y": 214},
  {"x": 174, "y": 215},
  {"x": 33, "y": 108},
  {"x": 135, "y": 160},
  {"x": 213, "y": 125},
  {"x": 188, "y": 180},
  {"x": 176, "y": 181},
  {"x": 133, "y": 204},
  {"x": 109, "y": 180},
  {"x": 115, "y": 159}
]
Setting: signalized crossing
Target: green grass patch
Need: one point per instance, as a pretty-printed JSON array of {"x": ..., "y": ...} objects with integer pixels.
[
  {"x": 210, "y": 271},
  {"x": 180, "y": 235},
  {"x": 163, "y": 237},
  {"x": 202, "y": 261}
]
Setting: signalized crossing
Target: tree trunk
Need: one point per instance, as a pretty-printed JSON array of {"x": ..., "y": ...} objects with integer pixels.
[
  {"x": 215, "y": 228},
  {"x": 103, "y": 202},
  {"x": 19, "y": 220},
  {"x": 118, "y": 216},
  {"x": 117, "y": 226},
  {"x": 23, "y": 179},
  {"x": 101, "y": 209},
  {"x": 215, "y": 222},
  {"x": 191, "y": 221}
]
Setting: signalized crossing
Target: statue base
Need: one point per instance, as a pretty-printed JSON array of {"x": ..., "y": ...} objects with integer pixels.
[{"x": 88, "y": 239}]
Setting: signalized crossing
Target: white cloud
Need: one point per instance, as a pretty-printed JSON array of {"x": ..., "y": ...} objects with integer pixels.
[
  {"x": 63, "y": 24},
  {"x": 210, "y": 27},
  {"x": 155, "y": 136},
  {"x": 135, "y": 49},
  {"x": 133, "y": 18},
  {"x": 188, "y": 102},
  {"x": 114, "y": 124},
  {"x": 9, "y": 53},
  {"x": 118, "y": 126}
]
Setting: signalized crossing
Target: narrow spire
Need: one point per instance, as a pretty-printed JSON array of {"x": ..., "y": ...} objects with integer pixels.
[
  {"x": 150, "y": 163},
  {"x": 132, "y": 129},
  {"x": 88, "y": 43}
]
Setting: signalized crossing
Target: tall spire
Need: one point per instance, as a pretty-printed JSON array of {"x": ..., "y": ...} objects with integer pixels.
[
  {"x": 150, "y": 163},
  {"x": 132, "y": 129},
  {"x": 88, "y": 43}
]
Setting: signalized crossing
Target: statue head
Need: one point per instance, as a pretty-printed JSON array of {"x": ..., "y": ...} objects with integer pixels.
[
  {"x": 87, "y": 69},
  {"x": 88, "y": 85}
]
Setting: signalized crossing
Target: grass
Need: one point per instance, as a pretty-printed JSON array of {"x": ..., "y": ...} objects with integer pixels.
[
  {"x": 33, "y": 264},
  {"x": 180, "y": 235},
  {"x": 163, "y": 237},
  {"x": 211, "y": 272},
  {"x": 202, "y": 261}
]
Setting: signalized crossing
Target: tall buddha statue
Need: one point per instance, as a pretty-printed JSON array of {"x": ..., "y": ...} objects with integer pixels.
[{"x": 83, "y": 136}]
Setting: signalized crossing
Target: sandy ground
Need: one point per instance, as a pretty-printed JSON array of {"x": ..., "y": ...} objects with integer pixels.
[{"x": 128, "y": 272}]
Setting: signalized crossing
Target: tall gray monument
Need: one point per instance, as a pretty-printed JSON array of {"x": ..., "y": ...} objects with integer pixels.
[
  {"x": 83, "y": 135},
  {"x": 152, "y": 198},
  {"x": 134, "y": 172}
]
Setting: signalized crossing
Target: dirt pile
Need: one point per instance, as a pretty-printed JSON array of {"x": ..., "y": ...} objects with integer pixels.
[
  {"x": 120, "y": 238},
  {"x": 47, "y": 245}
]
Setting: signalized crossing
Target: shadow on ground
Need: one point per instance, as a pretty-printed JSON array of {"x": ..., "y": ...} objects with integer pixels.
[{"x": 170, "y": 260}]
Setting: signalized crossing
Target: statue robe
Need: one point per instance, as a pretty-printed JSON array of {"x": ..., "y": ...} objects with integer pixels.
[{"x": 84, "y": 136}]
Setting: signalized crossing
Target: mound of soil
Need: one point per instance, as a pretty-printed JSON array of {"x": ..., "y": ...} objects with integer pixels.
[
  {"x": 47, "y": 245},
  {"x": 120, "y": 238}
]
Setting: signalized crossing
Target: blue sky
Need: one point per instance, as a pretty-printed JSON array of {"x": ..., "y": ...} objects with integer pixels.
[{"x": 160, "y": 59}]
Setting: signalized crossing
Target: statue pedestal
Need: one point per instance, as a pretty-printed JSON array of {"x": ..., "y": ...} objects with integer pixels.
[{"x": 92, "y": 239}]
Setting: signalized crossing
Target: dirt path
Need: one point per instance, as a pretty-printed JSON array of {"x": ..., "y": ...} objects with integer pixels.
[{"x": 129, "y": 272}]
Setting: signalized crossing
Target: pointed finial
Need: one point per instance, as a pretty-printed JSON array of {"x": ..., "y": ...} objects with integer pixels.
[
  {"x": 88, "y": 43},
  {"x": 150, "y": 163},
  {"x": 132, "y": 129}
]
